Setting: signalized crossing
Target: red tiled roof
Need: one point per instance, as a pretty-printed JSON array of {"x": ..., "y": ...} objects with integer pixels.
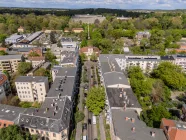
[
  {"x": 37, "y": 50},
  {"x": 77, "y": 29},
  {"x": 85, "y": 49},
  {"x": 169, "y": 123},
  {"x": 3, "y": 49},
  {"x": 40, "y": 58},
  {"x": 3, "y": 78},
  {"x": 176, "y": 134}
]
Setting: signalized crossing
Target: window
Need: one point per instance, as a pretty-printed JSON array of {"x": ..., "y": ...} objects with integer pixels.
[
  {"x": 32, "y": 130},
  {"x": 4, "y": 124},
  {"x": 47, "y": 134},
  {"x": 0, "y": 124},
  {"x": 27, "y": 87},
  {"x": 54, "y": 134},
  {"x": 40, "y": 89},
  {"x": 41, "y": 93},
  {"x": 41, "y": 132}
]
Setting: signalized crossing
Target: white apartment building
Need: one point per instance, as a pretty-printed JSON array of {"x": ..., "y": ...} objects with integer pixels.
[
  {"x": 180, "y": 60},
  {"x": 31, "y": 88},
  {"x": 36, "y": 61},
  {"x": 10, "y": 62},
  {"x": 146, "y": 63}
]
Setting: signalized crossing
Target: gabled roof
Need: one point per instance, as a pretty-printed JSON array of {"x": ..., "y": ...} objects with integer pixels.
[
  {"x": 85, "y": 49},
  {"x": 3, "y": 78}
]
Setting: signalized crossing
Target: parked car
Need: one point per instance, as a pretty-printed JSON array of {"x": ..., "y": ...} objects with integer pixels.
[{"x": 85, "y": 126}]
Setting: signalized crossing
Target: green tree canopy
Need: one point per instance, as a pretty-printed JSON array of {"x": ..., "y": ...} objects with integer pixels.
[
  {"x": 24, "y": 67},
  {"x": 13, "y": 132},
  {"x": 171, "y": 75},
  {"x": 50, "y": 56},
  {"x": 53, "y": 37},
  {"x": 33, "y": 54},
  {"x": 96, "y": 100},
  {"x": 3, "y": 52}
]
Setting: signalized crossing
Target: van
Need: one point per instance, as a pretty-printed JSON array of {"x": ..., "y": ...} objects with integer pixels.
[
  {"x": 93, "y": 119},
  {"x": 85, "y": 138}
]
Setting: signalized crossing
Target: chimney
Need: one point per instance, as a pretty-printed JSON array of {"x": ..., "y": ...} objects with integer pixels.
[
  {"x": 128, "y": 101},
  {"x": 125, "y": 105},
  {"x": 133, "y": 120},
  {"x": 124, "y": 93},
  {"x": 120, "y": 95},
  {"x": 125, "y": 97},
  {"x": 133, "y": 129},
  {"x": 126, "y": 118},
  {"x": 47, "y": 109},
  {"x": 122, "y": 89},
  {"x": 153, "y": 134},
  {"x": 56, "y": 108},
  {"x": 52, "y": 104},
  {"x": 54, "y": 113}
]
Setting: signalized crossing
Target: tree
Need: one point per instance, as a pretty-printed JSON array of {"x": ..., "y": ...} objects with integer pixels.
[
  {"x": 79, "y": 116},
  {"x": 50, "y": 56},
  {"x": 2, "y": 37},
  {"x": 24, "y": 67},
  {"x": 33, "y": 54},
  {"x": 171, "y": 75},
  {"x": 93, "y": 57},
  {"x": 152, "y": 117},
  {"x": 13, "y": 132},
  {"x": 83, "y": 57},
  {"x": 43, "y": 72},
  {"x": 3, "y": 52},
  {"x": 59, "y": 44},
  {"x": 52, "y": 37},
  {"x": 96, "y": 100},
  {"x": 7, "y": 74}
]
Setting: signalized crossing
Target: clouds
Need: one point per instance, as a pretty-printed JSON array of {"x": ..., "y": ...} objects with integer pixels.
[{"x": 121, "y": 4}]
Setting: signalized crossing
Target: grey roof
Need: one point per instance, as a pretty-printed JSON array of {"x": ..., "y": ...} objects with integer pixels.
[
  {"x": 31, "y": 79},
  {"x": 109, "y": 57},
  {"x": 63, "y": 85},
  {"x": 67, "y": 60},
  {"x": 117, "y": 98},
  {"x": 66, "y": 39},
  {"x": 113, "y": 78},
  {"x": 8, "y": 57},
  {"x": 45, "y": 118},
  {"x": 33, "y": 36},
  {"x": 65, "y": 71},
  {"x": 10, "y": 113},
  {"x": 123, "y": 128},
  {"x": 15, "y": 36},
  {"x": 168, "y": 57},
  {"x": 46, "y": 65},
  {"x": 22, "y": 49}
]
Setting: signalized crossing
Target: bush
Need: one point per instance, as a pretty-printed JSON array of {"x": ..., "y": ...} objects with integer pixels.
[{"x": 79, "y": 116}]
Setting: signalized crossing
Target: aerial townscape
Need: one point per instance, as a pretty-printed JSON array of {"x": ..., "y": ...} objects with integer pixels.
[{"x": 92, "y": 74}]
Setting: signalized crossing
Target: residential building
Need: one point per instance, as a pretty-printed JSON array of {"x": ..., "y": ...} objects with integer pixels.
[
  {"x": 51, "y": 121},
  {"x": 122, "y": 107},
  {"x": 5, "y": 89},
  {"x": 180, "y": 60},
  {"x": 10, "y": 62},
  {"x": 66, "y": 30},
  {"x": 69, "y": 58},
  {"x": 20, "y": 29},
  {"x": 124, "y": 18},
  {"x": 23, "y": 51},
  {"x": 36, "y": 60},
  {"x": 4, "y": 49},
  {"x": 68, "y": 44},
  {"x": 32, "y": 88},
  {"x": 88, "y": 51},
  {"x": 77, "y": 30},
  {"x": 89, "y": 19},
  {"x": 37, "y": 50},
  {"x": 174, "y": 130},
  {"x": 126, "y": 49},
  {"x": 15, "y": 38},
  {"x": 9, "y": 115},
  {"x": 141, "y": 35}
]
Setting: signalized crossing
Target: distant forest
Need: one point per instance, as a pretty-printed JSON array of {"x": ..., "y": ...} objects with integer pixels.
[{"x": 70, "y": 12}]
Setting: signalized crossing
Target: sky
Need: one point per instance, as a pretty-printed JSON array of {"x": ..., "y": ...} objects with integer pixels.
[{"x": 114, "y": 4}]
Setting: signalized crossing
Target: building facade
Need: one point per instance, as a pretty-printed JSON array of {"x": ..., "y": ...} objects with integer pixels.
[
  {"x": 10, "y": 62},
  {"x": 30, "y": 88},
  {"x": 5, "y": 89}
]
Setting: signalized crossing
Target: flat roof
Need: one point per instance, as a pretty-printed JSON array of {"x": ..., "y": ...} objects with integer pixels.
[
  {"x": 123, "y": 128},
  {"x": 65, "y": 71},
  {"x": 117, "y": 97},
  {"x": 31, "y": 79},
  {"x": 62, "y": 85},
  {"x": 8, "y": 57},
  {"x": 14, "y": 36},
  {"x": 10, "y": 113}
]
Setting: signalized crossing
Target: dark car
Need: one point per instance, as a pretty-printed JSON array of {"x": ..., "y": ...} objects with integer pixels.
[
  {"x": 95, "y": 82},
  {"x": 89, "y": 121},
  {"x": 84, "y": 126}
]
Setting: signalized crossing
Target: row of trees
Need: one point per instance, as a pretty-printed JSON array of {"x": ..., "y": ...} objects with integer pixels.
[{"x": 154, "y": 92}]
